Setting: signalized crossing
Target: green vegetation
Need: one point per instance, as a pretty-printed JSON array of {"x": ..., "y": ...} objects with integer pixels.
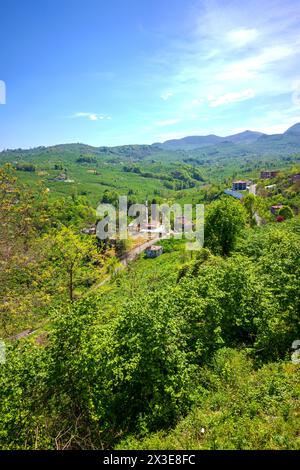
[
  {"x": 191, "y": 350},
  {"x": 184, "y": 175},
  {"x": 243, "y": 408},
  {"x": 224, "y": 222}
]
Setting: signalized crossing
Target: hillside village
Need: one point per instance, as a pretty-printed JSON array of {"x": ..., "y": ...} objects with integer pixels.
[
  {"x": 281, "y": 189},
  {"x": 59, "y": 282},
  {"x": 149, "y": 233}
]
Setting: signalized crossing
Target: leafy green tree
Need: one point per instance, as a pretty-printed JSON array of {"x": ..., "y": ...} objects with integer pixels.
[
  {"x": 110, "y": 197},
  {"x": 286, "y": 212},
  {"x": 22, "y": 212},
  {"x": 251, "y": 204},
  {"x": 72, "y": 255},
  {"x": 279, "y": 269},
  {"x": 224, "y": 221},
  {"x": 144, "y": 365},
  {"x": 23, "y": 405}
]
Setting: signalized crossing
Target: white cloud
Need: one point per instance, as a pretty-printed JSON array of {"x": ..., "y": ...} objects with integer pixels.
[
  {"x": 92, "y": 116},
  {"x": 166, "y": 95},
  {"x": 229, "y": 98},
  {"x": 242, "y": 37},
  {"x": 227, "y": 48},
  {"x": 251, "y": 67}
]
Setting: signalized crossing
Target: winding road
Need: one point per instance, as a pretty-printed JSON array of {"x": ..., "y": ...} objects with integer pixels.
[{"x": 252, "y": 190}]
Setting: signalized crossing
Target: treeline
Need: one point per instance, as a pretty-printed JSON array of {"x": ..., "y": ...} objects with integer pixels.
[
  {"x": 23, "y": 166},
  {"x": 87, "y": 159},
  {"x": 183, "y": 177}
]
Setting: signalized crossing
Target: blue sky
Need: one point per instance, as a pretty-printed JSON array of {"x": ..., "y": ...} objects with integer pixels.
[{"x": 141, "y": 71}]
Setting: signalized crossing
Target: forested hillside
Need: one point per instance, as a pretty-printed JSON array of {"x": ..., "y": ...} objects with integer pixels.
[
  {"x": 149, "y": 232},
  {"x": 191, "y": 350}
]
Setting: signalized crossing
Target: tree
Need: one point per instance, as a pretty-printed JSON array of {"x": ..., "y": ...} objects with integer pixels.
[
  {"x": 22, "y": 213},
  {"x": 113, "y": 266},
  {"x": 286, "y": 212},
  {"x": 225, "y": 220},
  {"x": 71, "y": 255}
]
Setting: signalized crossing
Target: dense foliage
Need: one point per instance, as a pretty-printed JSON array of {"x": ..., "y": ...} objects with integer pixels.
[{"x": 190, "y": 350}]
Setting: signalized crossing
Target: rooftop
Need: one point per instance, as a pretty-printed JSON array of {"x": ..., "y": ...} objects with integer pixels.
[
  {"x": 154, "y": 247},
  {"x": 234, "y": 194}
]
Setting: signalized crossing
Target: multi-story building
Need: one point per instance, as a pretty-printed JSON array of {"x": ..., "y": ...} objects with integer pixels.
[
  {"x": 269, "y": 174},
  {"x": 239, "y": 185}
]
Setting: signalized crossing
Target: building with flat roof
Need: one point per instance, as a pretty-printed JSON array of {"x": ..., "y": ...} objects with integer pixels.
[
  {"x": 239, "y": 185},
  {"x": 294, "y": 178},
  {"x": 268, "y": 174}
]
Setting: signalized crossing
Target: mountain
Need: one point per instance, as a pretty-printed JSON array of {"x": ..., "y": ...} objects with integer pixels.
[
  {"x": 244, "y": 137},
  {"x": 191, "y": 142},
  {"x": 295, "y": 129},
  {"x": 247, "y": 142}
]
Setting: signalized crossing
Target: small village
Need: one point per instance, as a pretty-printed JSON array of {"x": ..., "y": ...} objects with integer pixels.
[{"x": 141, "y": 234}]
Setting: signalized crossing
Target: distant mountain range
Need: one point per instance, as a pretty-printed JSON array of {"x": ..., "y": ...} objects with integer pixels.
[
  {"x": 244, "y": 144},
  {"x": 250, "y": 140}
]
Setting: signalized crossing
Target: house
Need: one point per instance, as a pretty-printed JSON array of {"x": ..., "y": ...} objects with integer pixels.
[
  {"x": 89, "y": 230},
  {"x": 294, "y": 178},
  {"x": 268, "y": 174},
  {"x": 61, "y": 177},
  {"x": 274, "y": 209},
  {"x": 154, "y": 251},
  {"x": 234, "y": 194},
  {"x": 182, "y": 224},
  {"x": 239, "y": 185},
  {"x": 153, "y": 228}
]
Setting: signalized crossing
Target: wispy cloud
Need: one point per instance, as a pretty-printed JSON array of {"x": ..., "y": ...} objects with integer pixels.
[
  {"x": 233, "y": 97},
  {"x": 92, "y": 116},
  {"x": 242, "y": 37},
  {"x": 232, "y": 55},
  {"x": 257, "y": 65},
  {"x": 167, "y": 122}
]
